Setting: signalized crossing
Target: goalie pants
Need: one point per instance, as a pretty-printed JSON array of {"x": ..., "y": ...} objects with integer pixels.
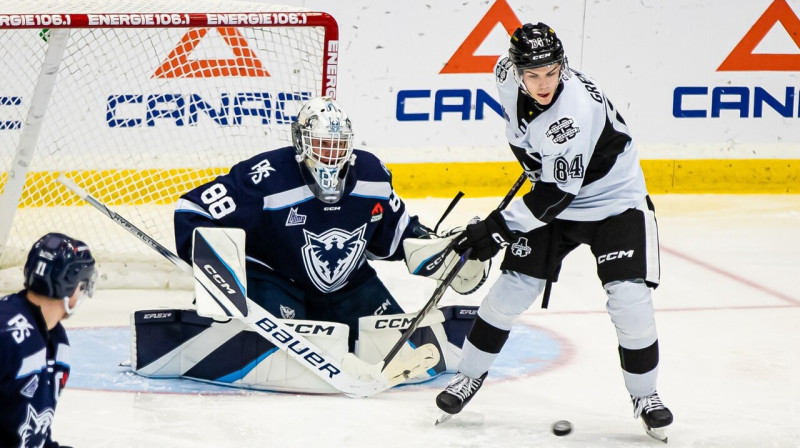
[
  {"x": 625, "y": 248},
  {"x": 285, "y": 300}
]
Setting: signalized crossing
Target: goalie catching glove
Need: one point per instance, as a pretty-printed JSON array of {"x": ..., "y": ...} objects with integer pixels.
[{"x": 426, "y": 257}]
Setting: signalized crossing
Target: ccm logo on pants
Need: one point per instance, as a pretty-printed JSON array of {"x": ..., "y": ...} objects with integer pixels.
[{"x": 615, "y": 255}]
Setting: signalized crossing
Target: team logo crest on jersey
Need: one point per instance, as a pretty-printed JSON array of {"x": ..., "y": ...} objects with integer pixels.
[
  {"x": 377, "y": 213},
  {"x": 33, "y": 432},
  {"x": 295, "y": 218},
  {"x": 287, "y": 313},
  {"x": 521, "y": 248},
  {"x": 19, "y": 327},
  {"x": 331, "y": 256},
  {"x": 30, "y": 387},
  {"x": 260, "y": 171},
  {"x": 562, "y": 130}
]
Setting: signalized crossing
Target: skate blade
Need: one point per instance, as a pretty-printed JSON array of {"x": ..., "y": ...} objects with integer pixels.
[
  {"x": 656, "y": 433},
  {"x": 443, "y": 418}
]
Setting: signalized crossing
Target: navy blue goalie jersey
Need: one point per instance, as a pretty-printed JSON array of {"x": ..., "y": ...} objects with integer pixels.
[
  {"x": 34, "y": 368},
  {"x": 317, "y": 245}
]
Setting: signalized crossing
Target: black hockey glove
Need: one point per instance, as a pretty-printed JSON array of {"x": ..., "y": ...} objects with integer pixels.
[{"x": 485, "y": 238}]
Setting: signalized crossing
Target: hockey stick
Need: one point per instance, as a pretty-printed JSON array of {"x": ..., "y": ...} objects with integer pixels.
[
  {"x": 440, "y": 290},
  {"x": 448, "y": 210},
  {"x": 125, "y": 224},
  {"x": 357, "y": 379}
]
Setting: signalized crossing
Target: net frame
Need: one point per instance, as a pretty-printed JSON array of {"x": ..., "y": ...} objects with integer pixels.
[{"x": 29, "y": 185}]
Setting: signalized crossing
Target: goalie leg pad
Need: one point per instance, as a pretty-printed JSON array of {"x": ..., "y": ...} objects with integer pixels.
[
  {"x": 179, "y": 343},
  {"x": 378, "y": 334},
  {"x": 446, "y": 328}
]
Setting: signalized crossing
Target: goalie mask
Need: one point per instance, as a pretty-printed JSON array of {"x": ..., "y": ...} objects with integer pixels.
[
  {"x": 57, "y": 266},
  {"x": 323, "y": 138}
]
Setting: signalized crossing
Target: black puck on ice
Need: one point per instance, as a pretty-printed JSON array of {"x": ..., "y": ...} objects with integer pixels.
[{"x": 562, "y": 428}]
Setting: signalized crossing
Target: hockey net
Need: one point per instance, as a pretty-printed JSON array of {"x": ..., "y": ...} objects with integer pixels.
[{"x": 149, "y": 100}]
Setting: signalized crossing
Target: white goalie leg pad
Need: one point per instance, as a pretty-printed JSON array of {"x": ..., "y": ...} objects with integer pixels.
[
  {"x": 510, "y": 296},
  {"x": 281, "y": 372},
  {"x": 377, "y": 335},
  {"x": 425, "y": 257},
  {"x": 183, "y": 355},
  {"x": 262, "y": 368}
]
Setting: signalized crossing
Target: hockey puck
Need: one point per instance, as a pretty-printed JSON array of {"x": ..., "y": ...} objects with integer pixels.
[{"x": 562, "y": 428}]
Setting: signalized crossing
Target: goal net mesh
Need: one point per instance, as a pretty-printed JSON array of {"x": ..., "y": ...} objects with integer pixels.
[{"x": 138, "y": 115}]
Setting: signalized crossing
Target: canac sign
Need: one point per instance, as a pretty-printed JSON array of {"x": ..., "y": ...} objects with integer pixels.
[
  {"x": 749, "y": 101},
  {"x": 427, "y": 104}
]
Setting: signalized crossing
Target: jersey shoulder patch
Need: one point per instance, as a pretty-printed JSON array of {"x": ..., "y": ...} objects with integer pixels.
[
  {"x": 502, "y": 69},
  {"x": 267, "y": 166}
]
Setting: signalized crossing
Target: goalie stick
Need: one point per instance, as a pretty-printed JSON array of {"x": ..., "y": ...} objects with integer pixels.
[
  {"x": 353, "y": 376},
  {"x": 440, "y": 290}
]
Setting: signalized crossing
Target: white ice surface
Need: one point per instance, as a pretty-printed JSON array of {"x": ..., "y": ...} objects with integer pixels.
[{"x": 728, "y": 315}]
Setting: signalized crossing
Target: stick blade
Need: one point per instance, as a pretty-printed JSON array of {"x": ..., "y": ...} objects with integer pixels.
[{"x": 411, "y": 364}]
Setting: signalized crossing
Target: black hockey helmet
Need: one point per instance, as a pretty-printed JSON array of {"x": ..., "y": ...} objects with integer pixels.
[
  {"x": 534, "y": 46},
  {"x": 57, "y": 265}
]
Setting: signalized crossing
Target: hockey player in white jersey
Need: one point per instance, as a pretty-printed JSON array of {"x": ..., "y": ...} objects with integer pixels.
[{"x": 588, "y": 188}]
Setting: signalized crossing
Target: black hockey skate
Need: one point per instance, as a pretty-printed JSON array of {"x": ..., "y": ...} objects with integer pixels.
[
  {"x": 457, "y": 394},
  {"x": 655, "y": 416}
]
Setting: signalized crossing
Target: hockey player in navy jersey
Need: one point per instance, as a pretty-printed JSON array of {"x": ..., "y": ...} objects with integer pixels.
[
  {"x": 34, "y": 349},
  {"x": 588, "y": 188},
  {"x": 314, "y": 214}
]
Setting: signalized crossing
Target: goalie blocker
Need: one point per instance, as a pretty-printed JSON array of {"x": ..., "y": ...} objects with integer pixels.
[{"x": 181, "y": 344}]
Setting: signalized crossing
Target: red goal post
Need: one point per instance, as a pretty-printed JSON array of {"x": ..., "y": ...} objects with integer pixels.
[{"x": 138, "y": 102}]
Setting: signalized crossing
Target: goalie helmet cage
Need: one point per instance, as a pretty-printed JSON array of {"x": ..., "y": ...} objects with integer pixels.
[{"x": 139, "y": 102}]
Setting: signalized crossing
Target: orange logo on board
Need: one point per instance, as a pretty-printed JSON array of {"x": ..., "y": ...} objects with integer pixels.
[
  {"x": 464, "y": 59},
  {"x": 178, "y": 65},
  {"x": 742, "y": 57}
]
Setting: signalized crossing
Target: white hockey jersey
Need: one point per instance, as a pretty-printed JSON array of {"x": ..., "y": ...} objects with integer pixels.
[{"x": 577, "y": 151}]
